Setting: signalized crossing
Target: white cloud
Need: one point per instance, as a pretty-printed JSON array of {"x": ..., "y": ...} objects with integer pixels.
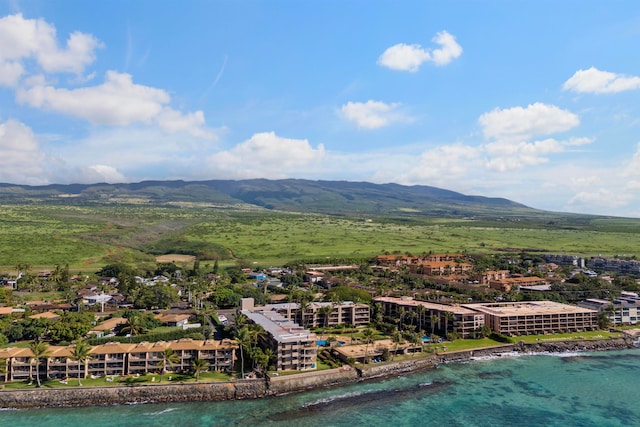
[
  {"x": 404, "y": 57},
  {"x": 522, "y": 123},
  {"x": 442, "y": 164},
  {"x": 505, "y": 155},
  {"x": 173, "y": 121},
  {"x": 21, "y": 159},
  {"x": 118, "y": 101},
  {"x": 372, "y": 114},
  {"x": 600, "y": 82},
  {"x": 22, "y": 39},
  {"x": 99, "y": 173},
  {"x": 266, "y": 155},
  {"x": 633, "y": 168},
  {"x": 10, "y": 72}
]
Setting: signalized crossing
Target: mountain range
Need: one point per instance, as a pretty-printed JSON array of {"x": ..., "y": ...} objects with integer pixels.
[{"x": 293, "y": 195}]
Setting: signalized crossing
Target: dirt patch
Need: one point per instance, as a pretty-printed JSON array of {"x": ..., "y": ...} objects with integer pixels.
[{"x": 175, "y": 258}]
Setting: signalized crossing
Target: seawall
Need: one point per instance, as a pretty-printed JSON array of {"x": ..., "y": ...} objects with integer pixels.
[{"x": 275, "y": 385}]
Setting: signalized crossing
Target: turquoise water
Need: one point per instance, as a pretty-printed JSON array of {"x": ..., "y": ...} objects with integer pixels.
[{"x": 580, "y": 389}]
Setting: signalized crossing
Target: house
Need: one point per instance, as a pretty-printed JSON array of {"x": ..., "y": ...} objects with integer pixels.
[
  {"x": 108, "y": 327},
  {"x": 173, "y": 319}
]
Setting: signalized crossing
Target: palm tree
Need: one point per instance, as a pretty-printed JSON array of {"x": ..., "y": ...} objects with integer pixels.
[
  {"x": 243, "y": 337},
  {"x": 81, "y": 354},
  {"x": 396, "y": 337},
  {"x": 416, "y": 339},
  {"x": 133, "y": 327},
  {"x": 39, "y": 350},
  {"x": 199, "y": 366},
  {"x": 420, "y": 313},
  {"x": 434, "y": 320},
  {"x": 325, "y": 311},
  {"x": 402, "y": 312},
  {"x": 169, "y": 359},
  {"x": 448, "y": 316},
  {"x": 367, "y": 335},
  {"x": 4, "y": 368}
]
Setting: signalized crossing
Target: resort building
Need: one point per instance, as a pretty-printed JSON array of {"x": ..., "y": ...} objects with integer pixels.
[
  {"x": 439, "y": 317},
  {"x": 294, "y": 347},
  {"x": 116, "y": 359},
  {"x": 324, "y": 314},
  {"x": 536, "y": 317},
  {"x": 623, "y": 310}
]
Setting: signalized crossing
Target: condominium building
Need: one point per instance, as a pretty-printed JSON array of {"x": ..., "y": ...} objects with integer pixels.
[
  {"x": 461, "y": 320},
  {"x": 116, "y": 359},
  {"x": 321, "y": 314},
  {"x": 294, "y": 347},
  {"x": 536, "y": 317},
  {"x": 623, "y": 310}
]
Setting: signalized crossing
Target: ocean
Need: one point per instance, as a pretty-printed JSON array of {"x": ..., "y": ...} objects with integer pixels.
[{"x": 571, "y": 389}]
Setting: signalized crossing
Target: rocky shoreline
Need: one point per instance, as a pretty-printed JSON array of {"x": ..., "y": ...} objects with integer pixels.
[{"x": 277, "y": 385}]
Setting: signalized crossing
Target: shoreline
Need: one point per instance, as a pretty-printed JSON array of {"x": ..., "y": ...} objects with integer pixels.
[{"x": 279, "y": 385}]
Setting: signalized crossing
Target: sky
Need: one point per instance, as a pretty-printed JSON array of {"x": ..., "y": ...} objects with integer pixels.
[{"x": 537, "y": 101}]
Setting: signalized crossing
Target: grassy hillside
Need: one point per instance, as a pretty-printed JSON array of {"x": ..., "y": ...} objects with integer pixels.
[
  {"x": 88, "y": 237},
  {"x": 328, "y": 197}
]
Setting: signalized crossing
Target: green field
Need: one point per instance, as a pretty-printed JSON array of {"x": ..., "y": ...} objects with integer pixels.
[{"x": 89, "y": 237}]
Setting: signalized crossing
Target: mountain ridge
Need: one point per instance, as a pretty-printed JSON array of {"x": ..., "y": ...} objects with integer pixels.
[{"x": 295, "y": 195}]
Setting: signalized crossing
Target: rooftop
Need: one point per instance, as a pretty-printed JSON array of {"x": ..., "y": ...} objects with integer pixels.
[{"x": 527, "y": 308}]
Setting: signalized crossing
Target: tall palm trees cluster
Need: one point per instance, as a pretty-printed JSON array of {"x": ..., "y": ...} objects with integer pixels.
[{"x": 247, "y": 336}]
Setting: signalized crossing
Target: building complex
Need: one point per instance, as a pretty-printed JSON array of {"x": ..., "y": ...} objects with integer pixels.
[{"x": 116, "y": 359}]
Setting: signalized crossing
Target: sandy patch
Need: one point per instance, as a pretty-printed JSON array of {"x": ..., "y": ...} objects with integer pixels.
[{"x": 175, "y": 258}]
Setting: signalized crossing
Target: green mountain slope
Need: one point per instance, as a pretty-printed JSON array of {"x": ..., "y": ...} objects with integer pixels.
[{"x": 327, "y": 197}]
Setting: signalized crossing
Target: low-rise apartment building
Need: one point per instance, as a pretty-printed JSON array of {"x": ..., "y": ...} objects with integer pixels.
[
  {"x": 623, "y": 310},
  {"x": 324, "y": 314},
  {"x": 440, "y": 317},
  {"x": 536, "y": 317},
  {"x": 116, "y": 359},
  {"x": 294, "y": 347}
]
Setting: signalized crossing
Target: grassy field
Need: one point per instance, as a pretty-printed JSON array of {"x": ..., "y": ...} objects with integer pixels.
[{"x": 89, "y": 237}]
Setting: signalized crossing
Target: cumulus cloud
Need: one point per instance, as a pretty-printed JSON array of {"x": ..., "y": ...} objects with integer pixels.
[
  {"x": 505, "y": 155},
  {"x": 23, "y": 39},
  {"x": 372, "y": 114},
  {"x": 21, "y": 159},
  {"x": 118, "y": 102},
  {"x": 441, "y": 164},
  {"x": 266, "y": 155},
  {"x": 404, "y": 57},
  {"x": 100, "y": 173},
  {"x": 524, "y": 122},
  {"x": 600, "y": 82},
  {"x": 173, "y": 121}
]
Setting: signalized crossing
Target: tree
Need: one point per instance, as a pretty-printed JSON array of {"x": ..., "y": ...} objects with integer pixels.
[
  {"x": 133, "y": 327},
  {"x": 39, "y": 350},
  {"x": 244, "y": 340},
  {"x": 448, "y": 316},
  {"x": 367, "y": 335},
  {"x": 81, "y": 353},
  {"x": 434, "y": 321},
  {"x": 396, "y": 337},
  {"x": 169, "y": 359},
  {"x": 420, "y": 314},
  {"x": 325, "y": 311},
  {"x": 198, "y": 366}
]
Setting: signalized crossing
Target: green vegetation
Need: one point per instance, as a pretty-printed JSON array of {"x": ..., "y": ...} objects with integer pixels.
[{"x": 89, "y": 237}]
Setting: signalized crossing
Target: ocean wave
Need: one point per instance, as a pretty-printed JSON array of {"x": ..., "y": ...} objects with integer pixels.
[
  {"x": 164, "y": 411},
  {"x": 331, "y": 399}
]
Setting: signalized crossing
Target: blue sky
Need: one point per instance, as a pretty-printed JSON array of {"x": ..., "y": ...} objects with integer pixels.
[{"x": 533, "y": 101}]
